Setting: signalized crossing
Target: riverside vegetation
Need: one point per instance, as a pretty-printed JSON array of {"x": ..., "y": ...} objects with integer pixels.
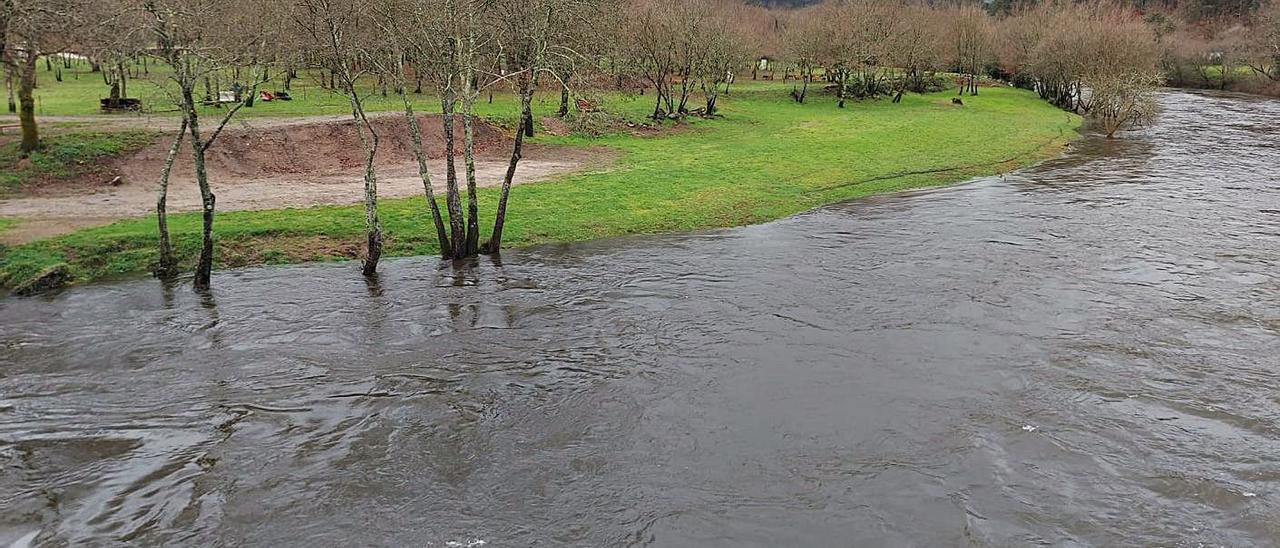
[
  {"x": 845, "y": 99},
  {"x": 768, "y": 157}
]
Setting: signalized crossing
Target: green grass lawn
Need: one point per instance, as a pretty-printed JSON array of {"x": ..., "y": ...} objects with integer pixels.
[
  {"x": 80, "y": 90},
  {"x": 766, "y": 158}
]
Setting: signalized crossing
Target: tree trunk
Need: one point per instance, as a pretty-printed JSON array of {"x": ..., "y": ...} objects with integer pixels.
[
  {"x": 564, "y": 100},
  {"x": 415, "y": 137},
  {"x": 168, "y": 265},
  {"x": 372, "y": 226},
  {"x": 469, "y": 160},
  {"x": 712, "y": 93},
  {"x": 495, "y": 240},
  {"x": 657, "y": 107},
  {"x": 27, "y": 104},
  {"x": 124, "y": 77},
  {"x": 840, "y": 81},
  {"x": 452, "y": 201},
  {"x": 528, "y": 122},
  {"x": 204, "y": 265},
  {"x": 8, "y": 83}
]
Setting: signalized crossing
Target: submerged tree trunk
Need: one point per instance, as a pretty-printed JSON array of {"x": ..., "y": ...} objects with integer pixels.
[
  {"x": 495, "y": 240},
  {"x": 204, "y": 265},
  {"x": 415, "y": 138},
  {"x": 469, "y": 160},
  {"x": 452, "y": 201},
  {"x": 372, "y": 225},
  {"x": 167, "y": 267}
]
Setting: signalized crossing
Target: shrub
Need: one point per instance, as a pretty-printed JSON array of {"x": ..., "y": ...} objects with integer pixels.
[{"x": 590, "y": 124}]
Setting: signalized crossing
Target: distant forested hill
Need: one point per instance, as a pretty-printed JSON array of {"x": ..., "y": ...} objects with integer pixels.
[{"x": 1191, "y": 10}]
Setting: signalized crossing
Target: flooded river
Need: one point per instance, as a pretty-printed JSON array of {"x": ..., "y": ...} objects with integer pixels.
[{"x": 1083, "y": 353}]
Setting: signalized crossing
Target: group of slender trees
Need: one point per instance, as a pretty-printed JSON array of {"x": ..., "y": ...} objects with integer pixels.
[
  {"x": 1104, "y": 60},
  {"x": 463, "y": 47},
  {"x": 1097, "y": 59},
  {"x": 1231, "y": 53}
]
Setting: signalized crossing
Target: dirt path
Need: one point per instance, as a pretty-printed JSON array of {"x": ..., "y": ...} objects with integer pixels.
[{"x": 273, "y": 164}]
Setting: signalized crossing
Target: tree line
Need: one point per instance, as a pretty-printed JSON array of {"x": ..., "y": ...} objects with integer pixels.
[{"x": 1102, "y": 60}]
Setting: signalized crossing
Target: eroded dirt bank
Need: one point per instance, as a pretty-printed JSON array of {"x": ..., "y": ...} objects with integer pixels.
[{"x": 272, "y": 164}]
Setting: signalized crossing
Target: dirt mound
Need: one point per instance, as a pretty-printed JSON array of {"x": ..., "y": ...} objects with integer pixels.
[{"x": 312, "y": 148}]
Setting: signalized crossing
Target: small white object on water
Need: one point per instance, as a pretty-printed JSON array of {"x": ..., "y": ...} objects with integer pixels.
[
  {"x": 468, "y": 544},
  {"x": 1249, "y": 495},
  {"x": 1029, "y": 428}
]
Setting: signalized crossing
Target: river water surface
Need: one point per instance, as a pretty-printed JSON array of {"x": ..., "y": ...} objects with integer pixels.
[{"x": 1083, "y": 353}]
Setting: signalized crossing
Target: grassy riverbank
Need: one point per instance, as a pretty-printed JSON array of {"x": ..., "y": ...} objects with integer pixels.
[{"x": 765, "y": 159}]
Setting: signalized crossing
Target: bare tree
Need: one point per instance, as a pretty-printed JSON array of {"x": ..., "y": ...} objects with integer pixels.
[
  {"x": 535, "y": 37},
  {"x": 167, "y": 266},
  {"x": 805, "y": 43},
  {"x": 1263, "y": 43},
  {"x": 527, "y": 28},
  {"x": 650, "y": 34},
  {"x": 972, "y": 37},
  {"x": 915, "y": 48},
  {"x": 412, "y": 27},
  {"x": 721, "y": 54},
  {"x": 28, "y": 28},
  {"x": 1101, "y": 61},
  {"x": 1120, "y": 66},
  {"x": 334, "y": 27},
  {"x": 859, "y": 36},
  {"x": 196, "y": 38}
]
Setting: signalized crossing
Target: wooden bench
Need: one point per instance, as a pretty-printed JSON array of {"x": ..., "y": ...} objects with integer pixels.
[{"x": 8, "y": 126}]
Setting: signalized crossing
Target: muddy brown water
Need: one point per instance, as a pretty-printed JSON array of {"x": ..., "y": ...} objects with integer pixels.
[{"x": 1083, "y": 353}]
